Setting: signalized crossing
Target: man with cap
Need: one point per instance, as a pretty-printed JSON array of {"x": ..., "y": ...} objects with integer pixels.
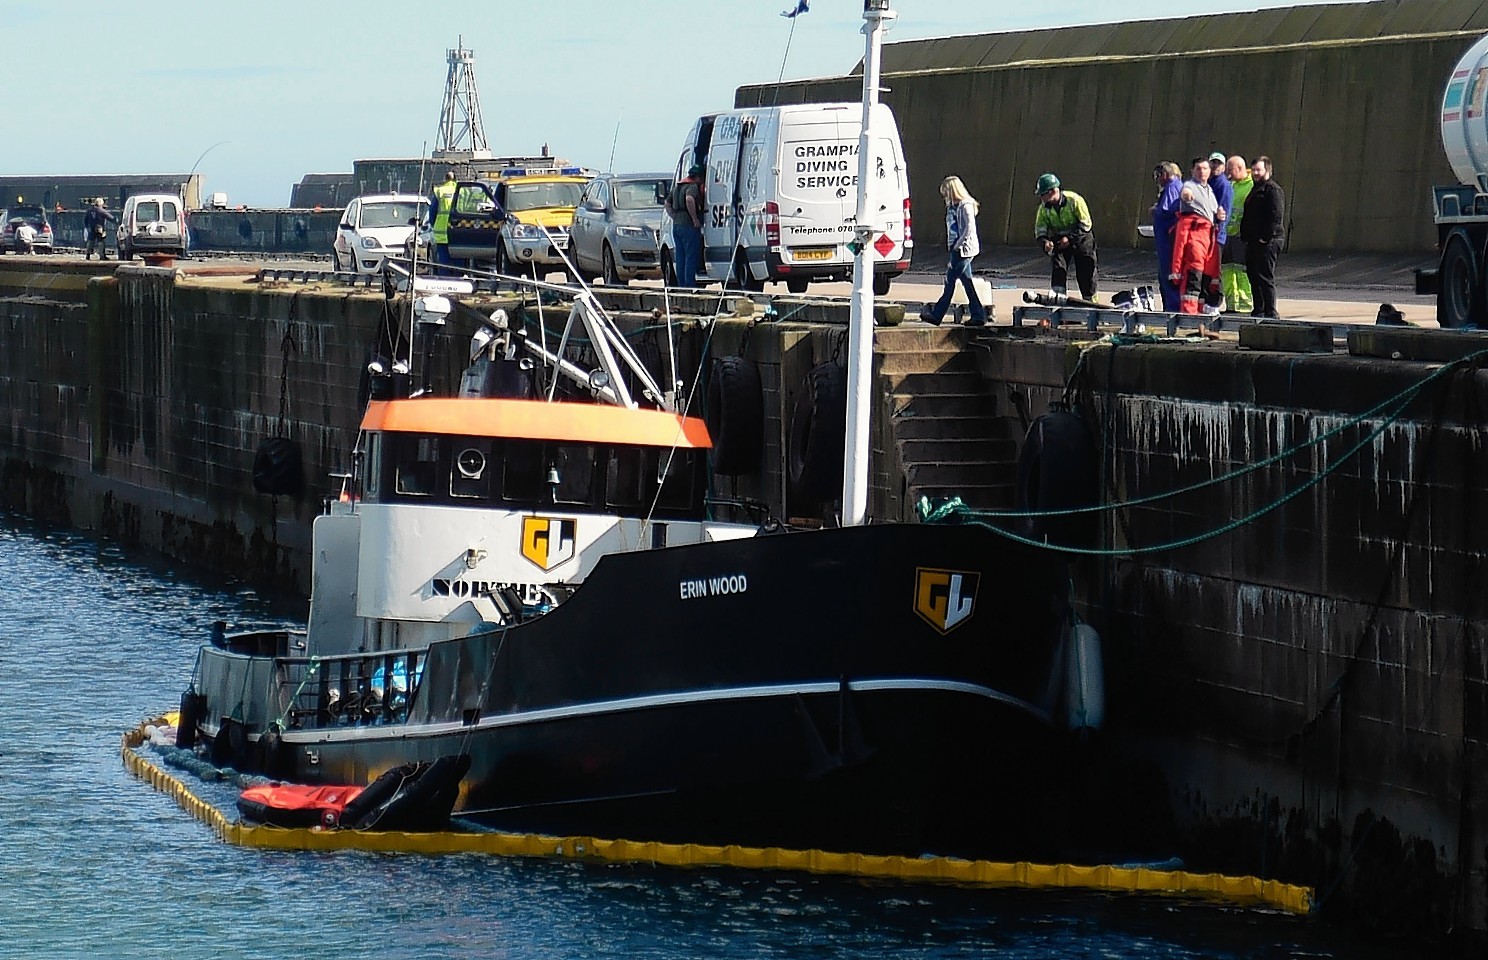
[
  {"x": 685, "y": 206},
  {"x": 1064, "y": 230},
  {"x": 95, "y": 225},
  {"x": 1225, "y": 195}
]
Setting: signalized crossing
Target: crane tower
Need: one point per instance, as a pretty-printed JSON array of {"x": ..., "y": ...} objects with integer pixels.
[{"x": 461, "y": 135}]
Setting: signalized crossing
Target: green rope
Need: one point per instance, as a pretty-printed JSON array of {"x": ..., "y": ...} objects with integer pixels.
[
  {"x": 956, "y": 511},
  {"x": 310, "y": 673},
  {"x": 1401, "y": 398}
]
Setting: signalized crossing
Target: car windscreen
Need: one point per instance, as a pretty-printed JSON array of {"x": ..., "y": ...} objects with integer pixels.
[
  {"x": 530, "y": 196},
  {"x": 391, "y": 214},
  {"x": 640, "y": 194}
]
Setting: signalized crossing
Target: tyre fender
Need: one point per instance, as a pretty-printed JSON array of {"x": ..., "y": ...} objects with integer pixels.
[
  {"x": 735, "y": 415},
  {"x": 817, "y": 425},
  {"x": 1057, "y": 471},
  {"x": 276, "y": 467}
]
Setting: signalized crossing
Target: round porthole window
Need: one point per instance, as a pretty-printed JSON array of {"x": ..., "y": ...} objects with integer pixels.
[{"x": 471, "y": 463}]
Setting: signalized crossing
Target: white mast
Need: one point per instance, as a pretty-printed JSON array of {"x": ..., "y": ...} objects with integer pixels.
[{"x": 876, "y": 19}]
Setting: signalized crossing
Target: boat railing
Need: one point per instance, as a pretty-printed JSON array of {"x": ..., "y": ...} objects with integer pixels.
[{"x": 350, "y": 690}]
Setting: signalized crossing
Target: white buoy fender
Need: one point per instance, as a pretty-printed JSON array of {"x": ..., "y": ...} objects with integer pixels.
[{"x": 1085, "y": 680}]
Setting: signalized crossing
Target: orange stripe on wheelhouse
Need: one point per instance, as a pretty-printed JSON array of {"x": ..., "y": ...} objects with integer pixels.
[{"x": 536, "y": 420}]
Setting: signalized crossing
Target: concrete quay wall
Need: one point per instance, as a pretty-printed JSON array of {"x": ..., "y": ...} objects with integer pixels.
[
  {"x": 1350, "y": 125},
  {"x": 1314, "y": 684}
]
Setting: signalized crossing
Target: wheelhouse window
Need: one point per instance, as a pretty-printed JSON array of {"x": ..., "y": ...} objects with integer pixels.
[
  {"x": 522, "y": 471},
  {"x": 574, "y": 464},
  {"x": 417, "y": 466}
]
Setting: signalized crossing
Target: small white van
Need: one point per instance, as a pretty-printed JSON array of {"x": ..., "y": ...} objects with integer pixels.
[
  {"x": 152, "y": 223},
  {"x": 782, "y": 193}
]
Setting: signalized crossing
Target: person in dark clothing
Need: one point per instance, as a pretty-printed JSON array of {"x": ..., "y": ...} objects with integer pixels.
[
  {"x": 1263, "y": 228},
  {"x": 95, "y": 225}
]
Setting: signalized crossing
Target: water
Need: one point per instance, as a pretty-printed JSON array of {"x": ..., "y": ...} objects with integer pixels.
[{"x": 97, "y": 864}]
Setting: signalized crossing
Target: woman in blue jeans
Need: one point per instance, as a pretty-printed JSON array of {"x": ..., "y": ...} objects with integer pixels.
[{"x": 961, "y": 241}]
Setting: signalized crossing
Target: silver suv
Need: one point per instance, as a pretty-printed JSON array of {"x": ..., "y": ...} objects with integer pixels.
[{"x": 616, "y": 226}]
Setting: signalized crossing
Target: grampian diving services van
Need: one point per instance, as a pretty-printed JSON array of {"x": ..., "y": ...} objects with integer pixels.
[{"x": 781, "y": 194}]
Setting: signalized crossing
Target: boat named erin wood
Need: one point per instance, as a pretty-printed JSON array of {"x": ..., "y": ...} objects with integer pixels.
[{"x": 537, "y": 585}]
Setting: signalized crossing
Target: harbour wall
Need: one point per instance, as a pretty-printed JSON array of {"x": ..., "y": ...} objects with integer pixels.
[
  {"x": 242, "y": 231},
  {"x": 1309, "y": 687},
  {"x": 1350, "y": 125}
]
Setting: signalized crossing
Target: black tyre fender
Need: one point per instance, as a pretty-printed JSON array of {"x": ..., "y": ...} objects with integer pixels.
[
  {"x": 277, "y": 470},
  {"x": 735, "y": 415},
  {"x": 230, "y": 746},
  {"x": 1057, "y": 471},
  {"x": 818, "y": 422},
  {"x": 272, "y": 754},
  {"x": 192, "y": 705}
]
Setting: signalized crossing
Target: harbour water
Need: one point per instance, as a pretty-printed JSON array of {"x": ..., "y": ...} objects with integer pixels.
[{"x": 96, "y": 864}]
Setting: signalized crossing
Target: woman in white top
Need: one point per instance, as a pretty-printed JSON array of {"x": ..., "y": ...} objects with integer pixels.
[{"x": 961, "y": 241}]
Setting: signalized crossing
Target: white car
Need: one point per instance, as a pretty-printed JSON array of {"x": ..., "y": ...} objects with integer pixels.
[{"x": 375, "y": 227}]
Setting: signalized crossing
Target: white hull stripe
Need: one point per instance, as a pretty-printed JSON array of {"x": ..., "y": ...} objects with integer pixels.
[{"x": 582, "y": 710}]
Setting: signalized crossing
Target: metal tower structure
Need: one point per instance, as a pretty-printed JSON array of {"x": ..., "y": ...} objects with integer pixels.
[{"x": 460, "y": 131}]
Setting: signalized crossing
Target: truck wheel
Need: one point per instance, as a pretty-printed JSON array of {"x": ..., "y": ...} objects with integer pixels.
[
  {"x": 881, "y": 283},
  {"x": 1459, "y": 302}
]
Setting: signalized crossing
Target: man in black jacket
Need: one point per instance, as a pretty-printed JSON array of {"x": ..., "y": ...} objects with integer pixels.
[
  {"x": 1263, "y": 229},
  {"x": 95, "y": 225}
]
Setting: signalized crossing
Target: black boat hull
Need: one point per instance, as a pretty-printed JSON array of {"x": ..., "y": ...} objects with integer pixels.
[{"x": 825, "y": 689}]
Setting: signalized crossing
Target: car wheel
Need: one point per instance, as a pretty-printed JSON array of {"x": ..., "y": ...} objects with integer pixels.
[
  {"x": 335, "y": 260},
  {"x": 611, "y": 272},
  {"x": 503, "y": 265},
  {"x": 796, "y": 286}
]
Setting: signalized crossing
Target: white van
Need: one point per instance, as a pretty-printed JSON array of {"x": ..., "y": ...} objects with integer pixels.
[
  {"x": 781, "y": 195},
  {"x": 152, "y": 223}
]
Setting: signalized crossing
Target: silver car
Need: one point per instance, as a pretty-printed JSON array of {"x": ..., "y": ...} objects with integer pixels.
[{"x": 615, "y": 228}]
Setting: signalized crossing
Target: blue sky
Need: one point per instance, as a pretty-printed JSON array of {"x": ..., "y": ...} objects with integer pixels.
[{"x": 272, "y": 90}]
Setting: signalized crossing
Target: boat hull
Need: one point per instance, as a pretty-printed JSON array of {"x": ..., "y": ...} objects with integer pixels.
[{"x": 880, "y": 689}]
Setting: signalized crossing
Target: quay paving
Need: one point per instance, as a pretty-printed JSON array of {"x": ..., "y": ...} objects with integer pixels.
[{"x": 1333, "y": 290}]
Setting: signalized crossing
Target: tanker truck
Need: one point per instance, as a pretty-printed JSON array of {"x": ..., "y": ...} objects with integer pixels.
[{"x": 1460, "y": 280}]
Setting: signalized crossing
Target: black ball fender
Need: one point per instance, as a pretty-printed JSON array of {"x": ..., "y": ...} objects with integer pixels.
[{"x": 735, "y": 415}]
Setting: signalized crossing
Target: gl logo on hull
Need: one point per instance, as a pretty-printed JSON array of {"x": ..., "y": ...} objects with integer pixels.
[
  {"x": 548, "y": 541},
  {"x": 944, "y": 598}
]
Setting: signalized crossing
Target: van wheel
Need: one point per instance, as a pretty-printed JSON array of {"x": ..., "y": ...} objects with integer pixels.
[
  {"x": 668, "y": 268},
  {"x": 881, "y": 283},
  {"x": 743, "y": 279},
  {"x": 797, "y": 286},
  {"x": 126, "y": 251},
  {"x": 610, "y": 273}
]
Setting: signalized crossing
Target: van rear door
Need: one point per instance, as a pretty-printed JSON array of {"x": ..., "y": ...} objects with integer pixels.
[{"x": 818, "y": 184}]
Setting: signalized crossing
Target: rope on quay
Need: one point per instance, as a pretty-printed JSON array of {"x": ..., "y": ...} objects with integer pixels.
[
  {"x": 1237, "y": 890},
  {"x": 953, "y": 510}
]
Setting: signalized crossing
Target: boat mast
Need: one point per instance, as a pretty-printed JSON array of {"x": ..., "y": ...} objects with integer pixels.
[{"x": 876, "y": 19}]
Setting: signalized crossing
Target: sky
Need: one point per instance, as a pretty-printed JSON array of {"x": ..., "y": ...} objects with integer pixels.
[{"x": 255, "y": 95}]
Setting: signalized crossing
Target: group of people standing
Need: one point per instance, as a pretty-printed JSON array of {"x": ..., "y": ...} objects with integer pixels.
[{"x": 1218, "y": 235}]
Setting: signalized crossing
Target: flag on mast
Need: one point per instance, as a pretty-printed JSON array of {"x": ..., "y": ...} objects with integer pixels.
[{"x": 802, "y": 6}]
